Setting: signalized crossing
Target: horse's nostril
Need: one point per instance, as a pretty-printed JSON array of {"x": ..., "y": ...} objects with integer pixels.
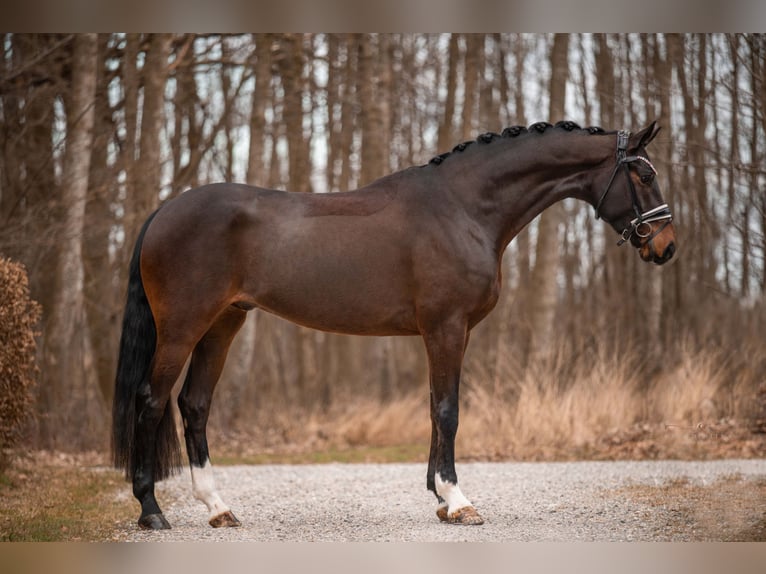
[{"x": 669, "y": 252}]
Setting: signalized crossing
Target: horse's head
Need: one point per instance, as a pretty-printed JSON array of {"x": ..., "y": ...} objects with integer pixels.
[{"x": 631, "y": 200}]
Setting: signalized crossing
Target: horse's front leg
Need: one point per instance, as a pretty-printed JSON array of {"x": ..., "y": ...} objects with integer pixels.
[{"x": 445, "y": 344}]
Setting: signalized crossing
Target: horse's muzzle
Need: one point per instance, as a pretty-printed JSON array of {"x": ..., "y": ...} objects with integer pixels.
[
  {"x": 667, "y": 254},
  {"x": 659, "y": 248}
]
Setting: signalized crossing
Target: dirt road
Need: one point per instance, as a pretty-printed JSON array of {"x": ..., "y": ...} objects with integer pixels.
[{"x": 587, "y": 501}]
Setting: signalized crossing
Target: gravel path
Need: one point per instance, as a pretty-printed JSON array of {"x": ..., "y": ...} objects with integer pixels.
[{"x": 580, "y": 501}]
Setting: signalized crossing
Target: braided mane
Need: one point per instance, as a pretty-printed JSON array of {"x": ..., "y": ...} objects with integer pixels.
[{"x": 513, "y": 132}]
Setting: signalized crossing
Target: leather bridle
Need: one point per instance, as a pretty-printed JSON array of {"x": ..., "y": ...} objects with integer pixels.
[{"x": 640, "y": 225}]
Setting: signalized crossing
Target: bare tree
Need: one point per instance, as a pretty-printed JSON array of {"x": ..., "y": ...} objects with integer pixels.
[
  {"x": 446, "y": 126},
  {"x": 65, "y": 341},
  {"x": 290, "y": 60},
  {"x": 102, "y": 294},
  {"x": 543, "y": 298},
  {"x": 147, "y": 176}
]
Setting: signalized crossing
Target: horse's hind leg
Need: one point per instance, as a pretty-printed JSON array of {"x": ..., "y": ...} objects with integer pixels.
[
  {"x": 194, "y": 402},
  {"x": 156, "y": 445}
]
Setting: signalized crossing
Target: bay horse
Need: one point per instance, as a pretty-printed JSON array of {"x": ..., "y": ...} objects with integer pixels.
[{"x": 417, "y": 252}]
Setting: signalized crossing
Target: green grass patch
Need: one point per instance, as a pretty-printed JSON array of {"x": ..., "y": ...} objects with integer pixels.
[
  {"x": 44, "y": 503},
  {"x": 367, "y": 454}
]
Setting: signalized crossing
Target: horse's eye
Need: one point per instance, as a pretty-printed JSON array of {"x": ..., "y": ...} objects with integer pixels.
[{"x": 647, "y": 179}]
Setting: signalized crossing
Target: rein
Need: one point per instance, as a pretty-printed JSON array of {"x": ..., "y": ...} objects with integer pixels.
[{"x": 643, "y": 218}]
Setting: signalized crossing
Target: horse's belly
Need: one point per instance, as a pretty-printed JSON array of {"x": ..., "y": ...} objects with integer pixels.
[
  {"x": 329, "y": 311},
  {"x": 345, "y": 295}
]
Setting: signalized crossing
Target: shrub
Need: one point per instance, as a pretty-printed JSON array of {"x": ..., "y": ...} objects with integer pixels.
[{"x": 18, "y": 316}]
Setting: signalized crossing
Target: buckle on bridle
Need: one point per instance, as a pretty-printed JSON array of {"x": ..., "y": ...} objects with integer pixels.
[{"x": 623, "y": 137}]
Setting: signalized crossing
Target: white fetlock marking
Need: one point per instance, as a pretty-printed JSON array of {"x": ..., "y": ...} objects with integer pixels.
[
  {"x": 203, "y": 486},
  {"x": 451, "y": 494}
]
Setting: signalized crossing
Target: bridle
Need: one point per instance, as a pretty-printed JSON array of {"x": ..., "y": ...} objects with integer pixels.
[{"x": 643, "y": 218}]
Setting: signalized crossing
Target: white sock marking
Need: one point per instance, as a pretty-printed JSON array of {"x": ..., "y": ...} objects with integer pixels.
[
  {"x": 203, "y": 486},
  {"x": 451, "y": 494}
]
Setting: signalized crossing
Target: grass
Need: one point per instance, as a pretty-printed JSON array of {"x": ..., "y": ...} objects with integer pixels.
[
  {"x": 729, "y": 510},
  {"x": 602, "y": 408},
  {"x": 52, "y": 498},
  {"x": 368, "y": 454}
]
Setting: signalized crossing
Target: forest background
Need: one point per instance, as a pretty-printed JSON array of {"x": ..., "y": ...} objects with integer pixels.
[{"x": 589, "y": 353}]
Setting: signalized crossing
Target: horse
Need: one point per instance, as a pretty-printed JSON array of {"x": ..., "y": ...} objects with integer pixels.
[{"x": 417, "y": 252}]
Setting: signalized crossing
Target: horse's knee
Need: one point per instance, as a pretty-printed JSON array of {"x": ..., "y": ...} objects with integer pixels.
[{"x": 447, "y": 418}]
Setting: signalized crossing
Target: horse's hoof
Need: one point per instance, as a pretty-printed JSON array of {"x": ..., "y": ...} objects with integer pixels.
[
  {"x": 466, "y": 515},
  {"x": 154, "y": 522},
  {"x": 225, "y": 519}
]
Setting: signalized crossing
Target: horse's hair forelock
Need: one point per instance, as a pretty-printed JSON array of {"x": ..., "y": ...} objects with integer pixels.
[{"x": 515, "y": 131}]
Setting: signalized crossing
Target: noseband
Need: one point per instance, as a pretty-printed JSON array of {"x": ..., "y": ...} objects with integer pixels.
[{"x": 643, "y": 218}]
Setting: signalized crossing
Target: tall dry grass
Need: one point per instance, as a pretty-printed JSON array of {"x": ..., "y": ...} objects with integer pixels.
[
  {"x": 555, "y": 407},
  {"x": 612, "y": 406},
  {"x": 705, "y": 404}
]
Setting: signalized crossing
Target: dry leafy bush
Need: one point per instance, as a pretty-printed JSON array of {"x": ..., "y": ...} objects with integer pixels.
[{"x": 18, "y": 316}]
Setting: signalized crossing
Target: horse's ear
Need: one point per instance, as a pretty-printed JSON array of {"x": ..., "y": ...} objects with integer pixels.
[{"x": 645, "y": 136}]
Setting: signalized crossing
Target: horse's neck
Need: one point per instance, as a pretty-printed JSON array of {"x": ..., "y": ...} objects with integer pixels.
[{"x": 514, "y": 189}]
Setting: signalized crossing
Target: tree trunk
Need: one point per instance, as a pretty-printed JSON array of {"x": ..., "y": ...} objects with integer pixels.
[
  {"x": 65, "y": 401},
  {"x": 474, "y": 49},
  {"x": 103, "y": 298},
  {"x": 256, "y": 168},
  {"x": 35, "y": 204},
  {"x": 446, "y": 126},
  {"x": 544, "y": 296},
  {"x": 371, "y": 110},
  {"x": 663, "y": 72},
  {"x": 186, "y": 152},
  {"x": 148, "y": 167},
  {"x": 290, "y": 62}
]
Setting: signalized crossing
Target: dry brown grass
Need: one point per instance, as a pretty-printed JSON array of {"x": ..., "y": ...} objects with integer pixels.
[
  {"x": 47, "y": 496},
  {"x": 548, "y": 416},
  {"x": 729, "y": 510},
  {"x": 602, "y": 407}
]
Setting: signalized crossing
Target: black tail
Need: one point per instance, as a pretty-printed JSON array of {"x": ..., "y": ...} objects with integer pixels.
[{"x": 137, "y": 346}]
